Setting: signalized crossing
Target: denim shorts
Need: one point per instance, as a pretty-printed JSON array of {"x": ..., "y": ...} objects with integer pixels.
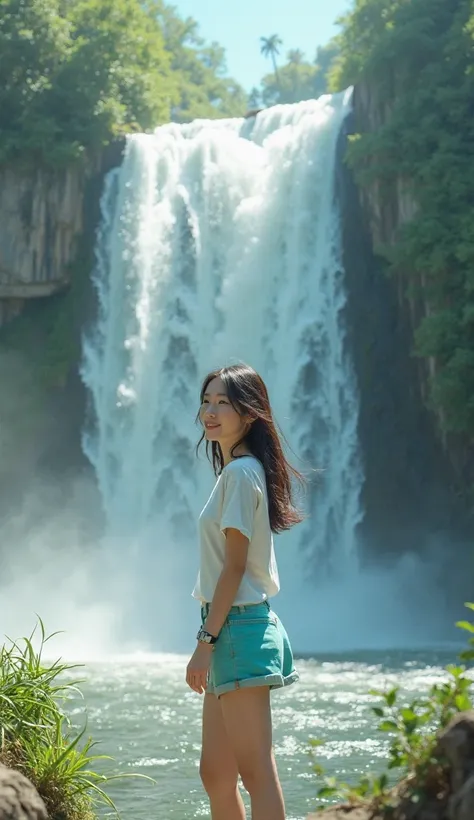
[{"x": 253, "y": 649}]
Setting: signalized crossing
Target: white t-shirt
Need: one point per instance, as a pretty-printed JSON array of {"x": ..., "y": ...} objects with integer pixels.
[{"x": 239, "y": 501}]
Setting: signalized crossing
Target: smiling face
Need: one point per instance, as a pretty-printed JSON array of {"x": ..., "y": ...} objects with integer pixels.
[{"x": 221, "y": 421}]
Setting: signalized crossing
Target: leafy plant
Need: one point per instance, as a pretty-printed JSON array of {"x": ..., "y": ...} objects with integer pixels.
[
  {"x": 413, "y": 729},
  {"x": 36, "y": 735}
]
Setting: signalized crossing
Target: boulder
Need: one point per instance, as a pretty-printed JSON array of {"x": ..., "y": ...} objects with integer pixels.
[{"x": 19, "y": 799}]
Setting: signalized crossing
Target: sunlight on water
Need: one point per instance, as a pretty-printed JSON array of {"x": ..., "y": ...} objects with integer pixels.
[{"x": 144, "y": 715}]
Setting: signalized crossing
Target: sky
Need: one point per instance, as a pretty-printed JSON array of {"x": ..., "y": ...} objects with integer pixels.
[{"x": 238, "y": 26}]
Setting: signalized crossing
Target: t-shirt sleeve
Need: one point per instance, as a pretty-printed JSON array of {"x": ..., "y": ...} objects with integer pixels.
[{"x": 240, "y": 501}]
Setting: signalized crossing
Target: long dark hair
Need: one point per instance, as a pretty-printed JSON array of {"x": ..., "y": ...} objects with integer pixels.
[{"x": 249, "y": 396}]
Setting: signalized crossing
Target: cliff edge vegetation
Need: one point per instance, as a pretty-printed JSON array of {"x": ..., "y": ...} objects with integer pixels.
[
  {"x": 417, "y": 59},
  {"x": 76, "y": 74}
]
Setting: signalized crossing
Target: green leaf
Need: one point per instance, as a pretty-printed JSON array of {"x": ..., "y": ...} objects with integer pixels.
[
  {"x": 327, "y": 791},
  {"x": 408, "y": 715},
  {"x": 391, "y": 696},
  {"x": 455, "y": 671},
  {"x": 466, "y": 625},
  {"x": 383, "y": 781},
  {"x": 388, "y": 726},
  {"x": 463, "y": 702}
]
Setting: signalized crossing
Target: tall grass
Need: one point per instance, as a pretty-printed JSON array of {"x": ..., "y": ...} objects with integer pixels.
[{"x": 36, "y": 735}]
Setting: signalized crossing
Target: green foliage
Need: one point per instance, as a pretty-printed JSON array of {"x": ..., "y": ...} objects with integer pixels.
[
  {"x": 413, "y": 729},
  {"x": 199, "y": 71},
  {"x": 418, "y": 60},
  {"x": 298, "y": 79},
  {"x": 36, "y": 735},
  {"x": 74, "y": 74}
]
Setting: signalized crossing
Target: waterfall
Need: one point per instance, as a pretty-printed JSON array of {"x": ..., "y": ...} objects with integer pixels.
[{"x": 219, "y": 242}]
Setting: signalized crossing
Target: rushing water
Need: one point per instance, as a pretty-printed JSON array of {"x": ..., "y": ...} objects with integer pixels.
[
  {"x": 149, "y": 721},
  {"x": 220, "y": 242}
]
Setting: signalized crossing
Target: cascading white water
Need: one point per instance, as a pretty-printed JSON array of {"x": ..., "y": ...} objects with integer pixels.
[{"x": 220, "y": 241}]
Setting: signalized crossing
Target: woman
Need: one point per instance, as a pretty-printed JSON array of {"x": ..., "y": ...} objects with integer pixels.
[{"x": 243, "y": 650}]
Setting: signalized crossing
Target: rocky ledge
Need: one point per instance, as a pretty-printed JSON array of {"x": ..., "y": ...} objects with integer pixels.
[{"x": 448, "y": 794}]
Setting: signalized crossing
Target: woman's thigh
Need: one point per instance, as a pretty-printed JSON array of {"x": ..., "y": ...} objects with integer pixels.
[{"x": 248, "y": 724}]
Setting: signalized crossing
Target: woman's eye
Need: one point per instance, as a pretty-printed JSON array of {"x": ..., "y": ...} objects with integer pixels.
[{"x": 222, "y": 401}]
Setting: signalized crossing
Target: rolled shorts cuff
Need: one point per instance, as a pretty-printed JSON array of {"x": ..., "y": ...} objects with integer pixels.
[{"x": 272, "y": 681}]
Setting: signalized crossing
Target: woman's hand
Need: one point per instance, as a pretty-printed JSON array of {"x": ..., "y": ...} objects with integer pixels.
[{"x": 198, "y": 668}]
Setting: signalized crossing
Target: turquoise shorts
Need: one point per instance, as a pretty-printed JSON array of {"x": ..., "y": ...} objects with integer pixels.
[{"x": 253, "y": 649}]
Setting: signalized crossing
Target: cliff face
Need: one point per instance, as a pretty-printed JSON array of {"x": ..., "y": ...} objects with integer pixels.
[
  {"x": 386, "y": 210},
  {"x": 42, "y": 220},
  {"x": 415, "y": 486},
  {"x": 48, "y": 221}
]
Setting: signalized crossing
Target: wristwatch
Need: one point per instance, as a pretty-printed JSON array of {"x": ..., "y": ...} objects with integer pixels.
[{"x": 206, "y": 637}]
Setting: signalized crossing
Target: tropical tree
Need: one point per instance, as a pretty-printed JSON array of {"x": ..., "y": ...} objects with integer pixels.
[
  {"x": 270, "y": 47},
  {"x": 295, "y": 56},
  {"x": 75, "y": 74},
  {"x": 199, "y": 71}
]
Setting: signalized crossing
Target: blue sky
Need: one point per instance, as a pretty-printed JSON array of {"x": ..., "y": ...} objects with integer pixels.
[{"x": 238, "y": 26}]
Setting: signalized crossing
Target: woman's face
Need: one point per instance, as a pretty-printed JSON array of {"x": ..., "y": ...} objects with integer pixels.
[{"x": 221, "y": 422}]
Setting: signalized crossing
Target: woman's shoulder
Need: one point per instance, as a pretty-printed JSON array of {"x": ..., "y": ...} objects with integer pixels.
[{"x": 245, "y": 467}]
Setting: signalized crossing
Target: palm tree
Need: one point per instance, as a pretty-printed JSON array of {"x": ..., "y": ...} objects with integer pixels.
[
  {"x": 295, "y": 56},
  {"x": 270, "y": 47}
]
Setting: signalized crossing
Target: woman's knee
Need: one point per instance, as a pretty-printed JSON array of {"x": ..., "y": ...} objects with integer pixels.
[
  {"x": 257, "y": 774},
  {"x": 216, "y": 779}
]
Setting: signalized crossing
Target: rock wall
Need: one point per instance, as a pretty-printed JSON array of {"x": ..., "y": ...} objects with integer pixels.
[
  {"x": 413, "y": 495},
  {"x": 386, "y": 209},
  {"x": 48, "y": 221},
  {"x": 41, "y": 222}
]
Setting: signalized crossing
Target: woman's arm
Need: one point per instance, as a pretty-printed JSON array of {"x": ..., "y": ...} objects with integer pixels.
[
  {"x": 236, "y": 551},
  {"x": 235, "y": 561}
]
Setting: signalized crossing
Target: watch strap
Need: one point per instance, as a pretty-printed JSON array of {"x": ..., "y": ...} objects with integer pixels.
[{"x": 205, "y": 637}]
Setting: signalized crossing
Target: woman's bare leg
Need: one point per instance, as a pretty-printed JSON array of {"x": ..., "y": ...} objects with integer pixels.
[
  {"x": 218, "y": 770},
  {"x": 248, "y": 721}
]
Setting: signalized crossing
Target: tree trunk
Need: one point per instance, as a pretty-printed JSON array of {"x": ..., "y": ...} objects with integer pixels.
[{"x": 277, "y": 76}]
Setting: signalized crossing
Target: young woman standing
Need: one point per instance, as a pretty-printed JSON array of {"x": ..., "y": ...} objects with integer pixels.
[{"x": 243, "y": 650}]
